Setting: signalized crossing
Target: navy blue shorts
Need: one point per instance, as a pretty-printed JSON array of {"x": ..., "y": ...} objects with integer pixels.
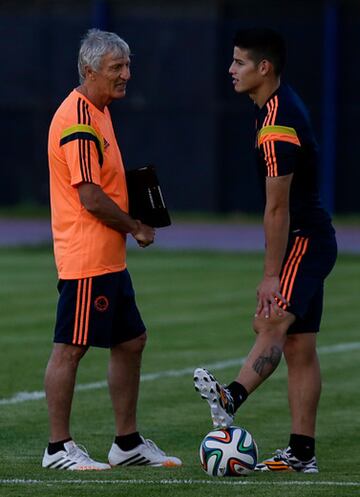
[
  {"x": 100, "y": 311},
  {"x": 307, "y": 262}
]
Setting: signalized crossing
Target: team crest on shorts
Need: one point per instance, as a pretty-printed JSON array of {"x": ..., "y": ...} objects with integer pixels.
[{"x": 101, "y": 303}]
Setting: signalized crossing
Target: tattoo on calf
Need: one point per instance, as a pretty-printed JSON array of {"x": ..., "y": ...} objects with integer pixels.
[{"x": 266, "y": 364}]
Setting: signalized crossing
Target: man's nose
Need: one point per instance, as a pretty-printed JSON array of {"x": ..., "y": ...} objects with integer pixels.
[{"x": 125, "y": 74}]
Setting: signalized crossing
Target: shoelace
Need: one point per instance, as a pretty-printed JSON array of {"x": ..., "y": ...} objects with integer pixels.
[
  {"x": 153, "y": 447},
  {"x": 229, "y": 405},
  {"x": 80, "y": 454},
  {"x": 281, "y": 454}
]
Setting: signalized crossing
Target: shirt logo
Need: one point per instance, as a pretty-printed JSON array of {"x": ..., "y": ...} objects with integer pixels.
[{"x": 106, "y": 143}]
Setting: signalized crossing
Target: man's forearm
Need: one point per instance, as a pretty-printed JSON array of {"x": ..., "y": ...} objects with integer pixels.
[
  {"x": 276, "y": 226},
  {"x": 108, "y": 212}
]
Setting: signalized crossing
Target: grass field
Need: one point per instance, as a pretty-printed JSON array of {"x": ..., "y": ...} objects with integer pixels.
[{"x": 198, "y": 309}]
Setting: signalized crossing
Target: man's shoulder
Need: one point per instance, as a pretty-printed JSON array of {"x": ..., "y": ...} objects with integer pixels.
[
  {"x": 74, "y": 111},
  {"x": 285, "y": 108},
  {"x": 67, "y": 110},
  {"x": 291, "y": 104}
]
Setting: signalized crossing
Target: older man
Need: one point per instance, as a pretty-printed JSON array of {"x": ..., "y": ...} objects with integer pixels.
[{"x": 96, "y": 307}]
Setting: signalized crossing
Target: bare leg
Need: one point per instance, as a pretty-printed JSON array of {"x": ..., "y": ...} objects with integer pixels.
[
  {"x": 124, "y": 378},
  {"x": 304, "y": 382},
  {"x": 261, "y": 362},
  {"x": 59, "y": 387},
  {"x": 266, "y": 353}
]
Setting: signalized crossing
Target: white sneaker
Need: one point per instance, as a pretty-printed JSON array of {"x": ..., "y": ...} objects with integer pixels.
[
  {"x": 145, "y": 454},
  {"x": 72, "y": 458},
  {"x": 284, "y": 460},
  {"x": 218, "y": 397}
]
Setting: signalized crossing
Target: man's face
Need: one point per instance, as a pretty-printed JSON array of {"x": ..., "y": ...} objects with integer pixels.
[
  {"x": 246, "y": 74},
  {"x": 112, "y": 76}
]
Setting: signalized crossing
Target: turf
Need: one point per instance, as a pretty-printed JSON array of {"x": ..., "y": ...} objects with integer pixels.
[{"x": 198, "y": 308}]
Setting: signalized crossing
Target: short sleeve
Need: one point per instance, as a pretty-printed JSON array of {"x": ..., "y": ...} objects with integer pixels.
[
  {"x": 83, "y": 150},
  {"x": 280, "y": 146}
]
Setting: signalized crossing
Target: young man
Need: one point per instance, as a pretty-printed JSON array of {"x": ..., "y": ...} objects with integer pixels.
[
  {"x": 96, "y": 307},
  {"x": 300, "y": 252}
]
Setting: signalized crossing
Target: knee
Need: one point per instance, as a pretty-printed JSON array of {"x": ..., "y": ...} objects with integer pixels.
[
  {"x": 300, "y": 349},
  {"x": 135, "y": 346},
  {"x": 140, "y": 343},
  {"x": 68, "y": 354},
  {"x": 262, "y": 326},
  {"x": 291, "y": 348}
]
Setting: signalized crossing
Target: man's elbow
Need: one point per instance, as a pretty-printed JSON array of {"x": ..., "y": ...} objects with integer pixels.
[
  {"x": 277, "y": 209},
  {"x": 277, "y": 213}
]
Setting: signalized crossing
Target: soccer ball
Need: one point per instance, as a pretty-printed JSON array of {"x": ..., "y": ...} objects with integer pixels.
[{"x": 228, "y": 452}]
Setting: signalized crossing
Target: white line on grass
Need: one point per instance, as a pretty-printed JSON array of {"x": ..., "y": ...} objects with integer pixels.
[
  {"x": 171, "y": 373},
  {"x": 183, "y": 482}
]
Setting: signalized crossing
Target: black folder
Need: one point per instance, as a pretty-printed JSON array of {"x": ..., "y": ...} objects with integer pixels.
[{"x": 146, "y": 201}]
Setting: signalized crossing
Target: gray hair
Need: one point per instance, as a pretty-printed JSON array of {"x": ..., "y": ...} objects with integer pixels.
[{"x": 95, "y": 45}]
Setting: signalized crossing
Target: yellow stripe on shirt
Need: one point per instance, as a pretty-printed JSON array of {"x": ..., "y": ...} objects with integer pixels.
[{"x": 277, "y": 133}]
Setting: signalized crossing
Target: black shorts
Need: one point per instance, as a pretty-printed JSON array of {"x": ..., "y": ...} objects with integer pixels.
[
  {"x": 99, "y": 311},
  {"x": 308, "y": 261}
]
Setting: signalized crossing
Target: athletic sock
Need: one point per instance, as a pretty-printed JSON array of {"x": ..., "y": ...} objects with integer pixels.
[
  {"x": 54, "y": 447},
  {"x": 128, "y": 442},
  {"x": 238, "y": 393},
  {"x": 302, "y": 446}
]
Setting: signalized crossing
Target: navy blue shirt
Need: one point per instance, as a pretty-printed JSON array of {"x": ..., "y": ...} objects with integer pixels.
[{"x": 285, "y": 144}]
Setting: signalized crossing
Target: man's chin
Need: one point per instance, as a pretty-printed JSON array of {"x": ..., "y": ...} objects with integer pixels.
[
  {"x": 119, "y": 94},
  {"x": 240, "y": 89}
]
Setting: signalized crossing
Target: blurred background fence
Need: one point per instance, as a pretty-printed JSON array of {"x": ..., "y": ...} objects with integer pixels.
[{"x": 181, "y": 112}]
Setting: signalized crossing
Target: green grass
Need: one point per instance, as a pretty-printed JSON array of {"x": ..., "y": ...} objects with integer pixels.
[{"x": 198, "y": 308}]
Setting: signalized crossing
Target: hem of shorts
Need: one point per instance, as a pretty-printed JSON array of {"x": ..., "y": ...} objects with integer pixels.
[
  {"x": 90, "y": 274},
  {"x": 295, "y": 327},
  {"x": 301, "y": 331},
  {"x": 64, "y": 342},
  {"x": 102, "y": 346},
  {"x": 81, "y": 345},
  {"x": 137, "y": 335}
]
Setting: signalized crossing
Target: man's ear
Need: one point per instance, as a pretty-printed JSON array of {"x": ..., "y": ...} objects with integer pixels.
[
  {"x": 265, "y": 67},
  {"x": 90, "y": 74}
]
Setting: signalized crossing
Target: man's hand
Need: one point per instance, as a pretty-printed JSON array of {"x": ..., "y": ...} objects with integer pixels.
[
  {"x": 100, "y": 205},
  {"x": 143, "y": 234},
  {"x": 268, "y": 296}
]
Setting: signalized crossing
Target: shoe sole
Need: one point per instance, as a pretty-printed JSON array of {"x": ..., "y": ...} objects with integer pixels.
[
  {"x": 165, "y": 464},
  {"x": 282, "y": 466},
  {"x": 207, "y": 387},
  {"x": 79, "y": 468},
  {"x": 283, "y": 469},
  {"x": 117, "y": 458},
  {"x": 274, "y": 467}
]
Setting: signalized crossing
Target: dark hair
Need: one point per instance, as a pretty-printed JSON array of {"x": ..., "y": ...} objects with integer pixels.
[{"x": 263, "y": 43}]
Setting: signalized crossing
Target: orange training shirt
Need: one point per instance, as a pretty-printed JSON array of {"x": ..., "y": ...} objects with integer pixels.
[{"x": 83, "y": 148}]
